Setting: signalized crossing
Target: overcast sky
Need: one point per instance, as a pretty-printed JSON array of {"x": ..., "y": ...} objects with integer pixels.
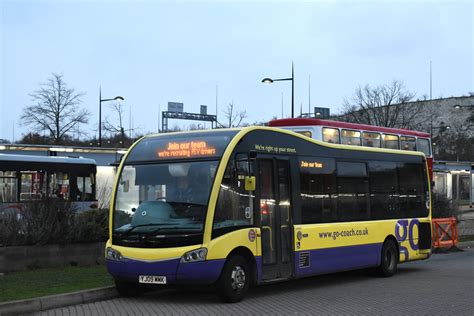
[{"x": 155, "y": 52}]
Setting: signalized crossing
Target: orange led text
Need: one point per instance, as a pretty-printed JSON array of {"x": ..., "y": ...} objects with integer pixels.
[{"x": 186, "y": 150}]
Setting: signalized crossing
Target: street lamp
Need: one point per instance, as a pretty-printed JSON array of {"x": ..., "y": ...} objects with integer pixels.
[
  {"x": 459, "y": 106},
  {"x": 270, "y": 80},
  {"x": 117, "y": 98},
  {"x": 441, "y": 128}
]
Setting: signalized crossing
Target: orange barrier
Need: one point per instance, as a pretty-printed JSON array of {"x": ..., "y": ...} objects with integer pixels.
[{"x": 445, "y": 232}]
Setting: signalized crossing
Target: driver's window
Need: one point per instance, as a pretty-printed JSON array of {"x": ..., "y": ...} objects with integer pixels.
[{"x": 234, "y": 208}]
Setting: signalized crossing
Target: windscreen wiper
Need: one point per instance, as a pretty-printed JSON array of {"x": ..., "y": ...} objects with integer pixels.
[
  {"x": 128, "y": 231},
  {"x": 181, "y": 232}
]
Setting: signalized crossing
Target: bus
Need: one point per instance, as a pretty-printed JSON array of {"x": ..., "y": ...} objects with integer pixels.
[
  {"x": 360, "y": 135},
  {"x": 25, "y": 178},
  {"x": 235, "y": 208}
]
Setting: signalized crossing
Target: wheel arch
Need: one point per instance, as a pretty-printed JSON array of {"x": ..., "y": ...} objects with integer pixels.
[
  {"x": 391, "y": 237},
  {"x": 247, "y": 254}
]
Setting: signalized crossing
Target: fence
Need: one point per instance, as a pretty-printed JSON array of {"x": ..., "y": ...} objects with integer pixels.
[{"x": 445, "y": 232}]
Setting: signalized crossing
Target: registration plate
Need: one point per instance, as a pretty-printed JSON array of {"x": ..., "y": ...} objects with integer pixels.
[{"x": 152, "y": 279}]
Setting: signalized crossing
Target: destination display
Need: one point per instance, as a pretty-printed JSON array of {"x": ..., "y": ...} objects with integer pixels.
[{"x": 181, "y": 146}]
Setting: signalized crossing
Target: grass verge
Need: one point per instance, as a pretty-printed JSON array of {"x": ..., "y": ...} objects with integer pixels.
[{"x": 42, "y": 282}]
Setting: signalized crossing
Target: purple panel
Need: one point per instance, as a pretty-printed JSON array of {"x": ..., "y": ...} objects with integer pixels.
[
  {"x": 258, "y": 262},
  {"x": 340, "y": 259},
  {"x": 205, "y": 272},
  {"x": 131, "y": 269}
]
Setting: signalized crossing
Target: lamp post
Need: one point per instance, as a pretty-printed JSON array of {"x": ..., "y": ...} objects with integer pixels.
[
  {"x": 117, "y": 98},
  {"x": 441, "y": 128},
  {"x": 292, "y": 79}
]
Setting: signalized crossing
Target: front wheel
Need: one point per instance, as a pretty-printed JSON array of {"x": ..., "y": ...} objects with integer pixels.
[
  {"x": 234, "y": 281},
  {"x": 389, "y": 261}
]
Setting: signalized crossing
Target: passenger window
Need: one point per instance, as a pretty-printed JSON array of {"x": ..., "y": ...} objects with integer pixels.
[
  {"x": 331, "y": 135},
  {"x": 412, "y": 190},
  {"x": 59, "y": 185},
  {"x": 351, "y": 137},
  {"x": 8, "y": 186},
  {"x": 371, "y": 139},
  {"x": 83, "y": 188},
  {"x": 390, "y": 141},
  {"x": 305, "y": 133},
  {"x": 234, "y": 204},
  {"x": 33, "y": 185},
  {"x": 383, "y": 190},
  {"x": 408, "y": 143},
  {"x": 318, "y": 187},
  {"x": 353, "y": 192},
  {"x": 423, "y": 145}
]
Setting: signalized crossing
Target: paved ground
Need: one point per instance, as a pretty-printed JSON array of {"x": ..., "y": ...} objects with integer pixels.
[
  {"x": 466, "y": 222},
  {"x": 442, "y": 285}
]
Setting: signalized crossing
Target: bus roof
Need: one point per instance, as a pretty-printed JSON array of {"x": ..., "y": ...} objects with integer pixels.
[
  {"x": 301, "y": 121},
  {"x": 46, "y": 159}
]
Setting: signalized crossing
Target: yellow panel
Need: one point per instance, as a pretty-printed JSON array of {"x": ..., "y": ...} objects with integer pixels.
[{"x": 220, "y": 247}]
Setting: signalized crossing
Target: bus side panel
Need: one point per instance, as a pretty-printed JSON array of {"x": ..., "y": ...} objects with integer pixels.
[
  {"x": 202, "y": 272},
  {"x": 325, "y": 248},
  {"x": 337, "y": 259}
]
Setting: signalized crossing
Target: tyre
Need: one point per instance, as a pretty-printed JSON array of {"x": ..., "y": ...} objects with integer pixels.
[
  {"x": 389, "y": 259},
  {"x": 235, "y": 279},
  {"x": 128, "y": 289}
]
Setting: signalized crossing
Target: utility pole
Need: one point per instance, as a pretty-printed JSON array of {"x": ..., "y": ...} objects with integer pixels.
[
  {"x": 431, "y": 81},
  {"x": 216, "y": 99},
  {"x": 309, "y": 96},
  {"x": 130, "y": 122},
  {"x": 282, "y": 105},
  {"x": 159, "y": 112}
]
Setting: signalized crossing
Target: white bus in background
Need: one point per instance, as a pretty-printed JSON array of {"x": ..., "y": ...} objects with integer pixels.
[
  {"x": 26, "y": 178},
  {"x": 345, "y": 133}
]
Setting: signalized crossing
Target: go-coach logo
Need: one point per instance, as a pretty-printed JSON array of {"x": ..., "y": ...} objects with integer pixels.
[{"x": 403, "y": 231}]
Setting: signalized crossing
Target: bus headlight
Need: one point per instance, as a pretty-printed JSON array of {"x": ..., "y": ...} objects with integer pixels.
[
  {"x": 113, "y": 254},
  {"x": 194, "y": 255}
]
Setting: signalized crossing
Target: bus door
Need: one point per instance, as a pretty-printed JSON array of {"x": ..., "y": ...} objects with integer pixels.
[{"x": 274, "y": 207}]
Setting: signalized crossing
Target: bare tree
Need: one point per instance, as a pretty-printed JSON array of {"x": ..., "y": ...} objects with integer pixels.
[
  {"x": 233, "y": 117},
  {"x": 56, "y": 109},
  {"x": 455, "y": 143},
  {"x": 383, "y": 106},
  {"x": 116, "y": 129}
]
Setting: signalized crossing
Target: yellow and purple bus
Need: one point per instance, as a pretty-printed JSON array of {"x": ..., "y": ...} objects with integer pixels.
[{"x": 241, "y": 207}]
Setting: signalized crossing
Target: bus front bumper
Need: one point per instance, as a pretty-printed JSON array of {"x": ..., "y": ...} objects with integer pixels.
[{"x": 176, "y": 272}]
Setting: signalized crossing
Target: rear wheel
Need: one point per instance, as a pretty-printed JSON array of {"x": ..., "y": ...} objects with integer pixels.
[
  {"x": 234, "y": 281},
  {"x": 128, "y": 289},
  {"x": 388, "y": 264}
]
